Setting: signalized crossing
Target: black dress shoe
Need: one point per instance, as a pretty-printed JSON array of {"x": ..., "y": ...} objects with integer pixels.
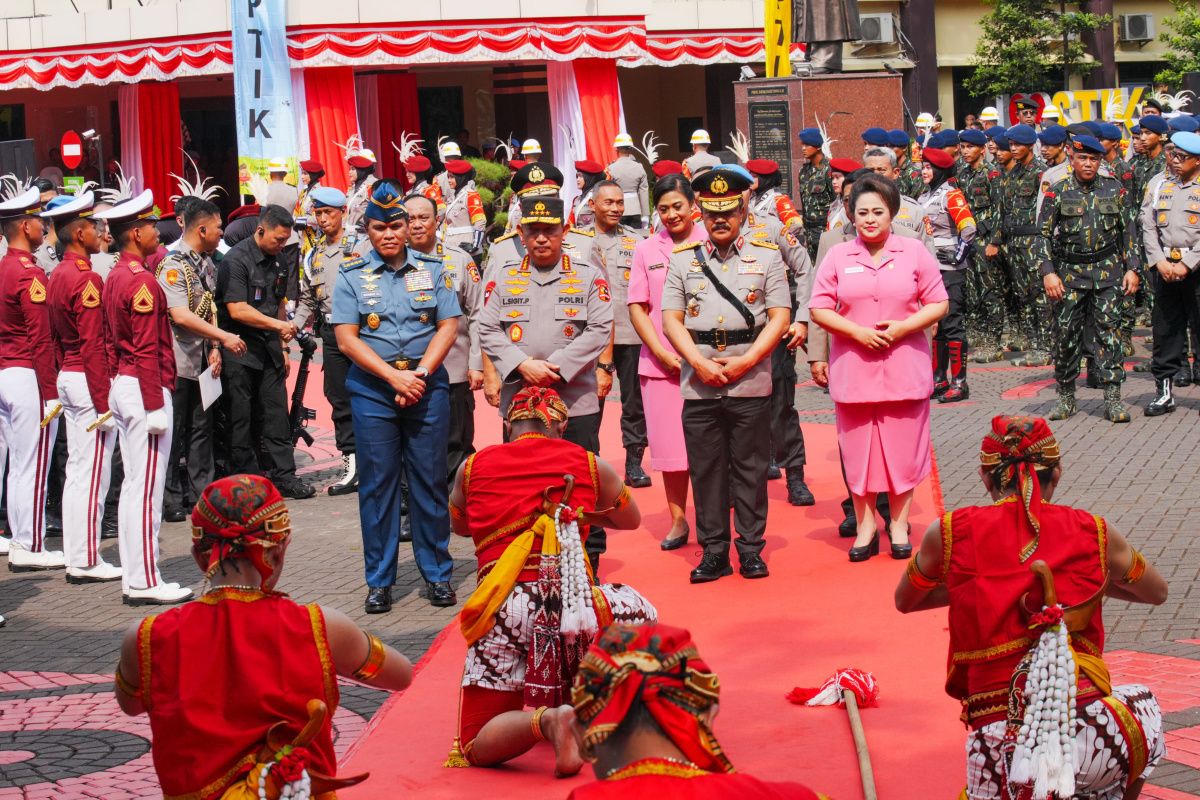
[
  {"x": 754, "y": 567},
  {"x": 635, "y": 476},
  {"x": 848, "y": 528},
  {"x": 712, "y": 567},
  {"x": 295, "y": 488},
  {"x": 441, "y": 594},
  {"x": 678, "y": 541},
  {"x": 774, "y": 473},
  {"x": 174, "y": 514},
  {"x": 54, "y": 521},
  {"x": 798, "y": 492},
  {"x": 379, "y": 600},
  {"x": 405, "y": 528},
  {"x": 866, "y": 551}
]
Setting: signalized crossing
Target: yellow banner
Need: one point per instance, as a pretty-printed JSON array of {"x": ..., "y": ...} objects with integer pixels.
[{"x": 777, "y": 35}]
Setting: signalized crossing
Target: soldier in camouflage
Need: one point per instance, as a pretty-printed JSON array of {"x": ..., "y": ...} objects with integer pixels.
[
  {"x": 908, "y": 175},
  {"x": 1122, "y": 170},
  {"x": 985, "y": 277},
  {"x": 814, "y": 188},
  {"x": 1087, "y": 253}
]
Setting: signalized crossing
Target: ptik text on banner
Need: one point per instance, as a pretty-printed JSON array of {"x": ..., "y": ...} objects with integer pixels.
[{"x": 266, "y": 123}]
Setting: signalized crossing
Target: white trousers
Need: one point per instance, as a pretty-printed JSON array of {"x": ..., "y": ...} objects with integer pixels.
[
  {"x": 139, "y": 512},
  {"x": 89, "y": 468},
  {"x": 29, "y": 447}
]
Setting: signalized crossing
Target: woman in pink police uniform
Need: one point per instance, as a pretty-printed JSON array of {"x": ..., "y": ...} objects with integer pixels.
[
  {"x": 877, "y": 294},
  {"x": 658, "y": 369}
]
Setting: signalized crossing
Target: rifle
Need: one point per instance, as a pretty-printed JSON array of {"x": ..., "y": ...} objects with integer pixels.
[{"x": 299, "y": 415}]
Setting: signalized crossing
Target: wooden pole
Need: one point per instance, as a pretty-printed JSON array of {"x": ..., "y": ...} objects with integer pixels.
[{"x": 860, "y": 746}]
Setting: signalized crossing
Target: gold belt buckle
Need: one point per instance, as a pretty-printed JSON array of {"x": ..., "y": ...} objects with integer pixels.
[
  {"x": 1175, "y": 254},
  {"x": 401, "y": 364},
  {"x": 721, "y": 340}
]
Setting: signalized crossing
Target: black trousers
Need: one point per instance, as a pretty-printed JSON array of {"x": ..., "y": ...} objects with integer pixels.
[
  {"x": 1174, "y": 307},
  {"x": 191, "y": 440},
  {"x": 584, "y": 431},
  {"x": 258, "y": 420},
  {"x": 952, "y": 327},
  {"x": 633, "y": 416},
  {"x": 334, "y": 367},
  {"x": 462, "y": 427},
  {"x": 787, "y": 441},
  {"x": 728, "y": 443}
]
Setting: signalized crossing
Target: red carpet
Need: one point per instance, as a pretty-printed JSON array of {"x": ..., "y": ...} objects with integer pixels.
[{"x": 816, "y": 613}]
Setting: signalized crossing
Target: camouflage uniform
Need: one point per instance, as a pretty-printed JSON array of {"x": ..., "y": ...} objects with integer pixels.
[
  {"x": 910, "y": 183},
  {"x": 814, "y": 189},
  {"x": 1017, "y": 235},
  {"x": 1088, "y": 238},
  {"x": 985, "y": 277},
  {"x": 1122, "y": 170}
]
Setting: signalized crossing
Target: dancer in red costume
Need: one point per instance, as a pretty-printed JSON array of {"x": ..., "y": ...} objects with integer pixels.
[
  {"x": 520, "y": 622},
  {"x": 216, "y": 675},
  {"x": 645, "y": 703},
  {"x": 977, "y": 561}
]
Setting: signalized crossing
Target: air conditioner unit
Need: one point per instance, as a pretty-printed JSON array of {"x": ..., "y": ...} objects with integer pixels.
[
  {"x": 877, "y": 29},
  {"x": 1137, "y": 27}
]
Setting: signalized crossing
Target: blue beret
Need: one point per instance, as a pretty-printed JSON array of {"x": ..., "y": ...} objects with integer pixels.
[
  {"x": 1001, "y": 140},
  {"x": 58, "y": 200},
  {"x": 1187, "y": 142},
  {"x": 898, "y": 138},
  {"x": 972, "y": 136},
  {"x": 1021, "y": 134},
  {"x": 1092, "y": 125},
  {"x": 1135, "y": 130},
  {"x": 1183, "y": 122},
  {"x": 811, "y": 137},
  {"x": 875, "y": 136},
  {"x": 949, "y": 137},
  {"x": 1087, "y": 144},
  {"x": 936, "y": 140},
  {"x": 386, "y": 204},
  {"x": 995, "y": 131},
  {"x": 736, "y": 169},
  {"x": 1054, "y": 135},
  {"x": 327, "y": 197},
  {"x": 1110, "y": 130},
  {"x": 1154, "y": 124}
]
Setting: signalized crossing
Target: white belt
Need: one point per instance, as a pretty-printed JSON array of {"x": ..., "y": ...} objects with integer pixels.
[
  {"x": 942, "y": 241},
  {"x": 459, "y": 229}
]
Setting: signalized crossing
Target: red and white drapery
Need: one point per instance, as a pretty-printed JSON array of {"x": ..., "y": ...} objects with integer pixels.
[
  {"x": 329, "y": 107},
  {"x": 624, "y": 39},
  {"x": 151, "y": 138},
  {"x": 585, "y": 113}
]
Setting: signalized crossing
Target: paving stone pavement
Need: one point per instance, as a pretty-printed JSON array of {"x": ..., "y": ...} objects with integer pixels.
[{"x": 61, "y": 642}]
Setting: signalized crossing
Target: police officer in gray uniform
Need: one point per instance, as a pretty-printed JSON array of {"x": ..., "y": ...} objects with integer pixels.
[
  {"x": 630, "y": 175},
  {"x": 546, "y": 319},
  {"x": 700, "y": 159},
  {"x": 532, "y": 180},
  {"x": 612, "y": 249},
  {"x": 315, "y": 304},
  {"x": 726, "y": 305}
]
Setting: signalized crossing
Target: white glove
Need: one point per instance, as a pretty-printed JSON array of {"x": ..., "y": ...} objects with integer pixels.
[
  {"x": 108, "y": 425},
  {"x": 49, "y": 407},
  {"x": 157, "y": 422}
]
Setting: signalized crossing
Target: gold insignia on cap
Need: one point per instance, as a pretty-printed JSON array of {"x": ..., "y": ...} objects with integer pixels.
[
  {"x": 540, "y": 208},
  {"x": 719, "y": 185},
  {"x": 536, "y": 175}
]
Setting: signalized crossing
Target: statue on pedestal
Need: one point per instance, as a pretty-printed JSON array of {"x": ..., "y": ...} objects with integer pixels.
[{"x": 822, "y": 26}]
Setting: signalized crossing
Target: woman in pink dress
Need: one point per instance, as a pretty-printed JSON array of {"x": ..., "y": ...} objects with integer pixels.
[
  {"x": 877, "y": 294},
  {"x": 658, "y": 369}
]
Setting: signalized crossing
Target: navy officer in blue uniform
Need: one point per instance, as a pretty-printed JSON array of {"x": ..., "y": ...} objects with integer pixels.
[{"x": 395, "y": 315}]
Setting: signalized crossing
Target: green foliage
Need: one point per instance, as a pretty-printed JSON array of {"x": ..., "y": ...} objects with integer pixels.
[
  {"x": 490, "y": 174},
  {"x": 1021, "y": 47},
  {"x": 1183, "y": 43}
]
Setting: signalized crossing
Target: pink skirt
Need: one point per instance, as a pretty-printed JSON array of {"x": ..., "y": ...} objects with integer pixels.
[
  {"x": 885, "y": 446},
  {"x": 663, "y": 405}
]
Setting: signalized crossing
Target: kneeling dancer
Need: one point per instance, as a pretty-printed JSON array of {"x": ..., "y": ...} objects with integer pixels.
[
  {"x": 1026, "y": 654},
  {"x": 537, "y": 606},
  {"x": 241, "y": 683}
]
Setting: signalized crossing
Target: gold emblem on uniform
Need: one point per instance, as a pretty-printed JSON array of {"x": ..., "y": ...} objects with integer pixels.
[
  {"x": 719, "y": 185},
  {"x": 626, "y": 276},
  {"x": 449, "y": 282},
  {"x": 693, "y": 308},
  {"x": 143, "y": 300},
  {"x": 1175, "y": 255},
  {"x": 751, "y": 296},
  {"x": 37, "y": 292},
  {"x": 424, "y": 318},
  {"x": 90, "y": 296},
  {"x": 1192, "y": 219},
  {"x": 373, "y": 321},
  {"x": 536, "y": 175}
]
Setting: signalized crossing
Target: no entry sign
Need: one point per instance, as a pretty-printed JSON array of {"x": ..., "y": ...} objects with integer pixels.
[{"x": 71, "y": 149}]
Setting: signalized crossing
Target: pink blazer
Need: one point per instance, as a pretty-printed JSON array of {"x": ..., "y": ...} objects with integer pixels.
[{"x": 906, "y": 279}]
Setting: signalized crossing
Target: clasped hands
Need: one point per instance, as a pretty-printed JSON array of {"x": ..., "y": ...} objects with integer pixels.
[
  {"x": 885, "y": 334},
  {"x": 408, "y": 386},
  {"x": 722, "y": 370}
]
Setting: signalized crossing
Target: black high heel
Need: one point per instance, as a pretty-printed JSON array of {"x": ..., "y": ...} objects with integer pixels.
[
  {"x": 900, "y": 552},
  {"x": 678, "y": 541},
  {"x": 867, "y": 550}
]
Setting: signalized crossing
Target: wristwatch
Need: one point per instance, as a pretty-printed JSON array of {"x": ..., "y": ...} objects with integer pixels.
[
  {"x": 609, "y": 367},
  {"x": 421, "y": 372}
]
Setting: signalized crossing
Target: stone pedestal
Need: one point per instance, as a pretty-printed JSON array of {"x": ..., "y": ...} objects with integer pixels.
[{"x": 772, "y": 111}]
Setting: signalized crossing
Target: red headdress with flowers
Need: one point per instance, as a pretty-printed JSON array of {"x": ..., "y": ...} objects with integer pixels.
[
  {"x": 1013, "y": 452},
  {"x": 660, "y": 667},
  {"x": 240, "y": 516}
]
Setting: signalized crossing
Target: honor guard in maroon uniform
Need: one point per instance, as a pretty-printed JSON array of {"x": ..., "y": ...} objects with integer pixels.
[
  {"x": 28, "y": 398},
  {"x": 85, "y": 356},
  {"x": 136, "y": 322}
]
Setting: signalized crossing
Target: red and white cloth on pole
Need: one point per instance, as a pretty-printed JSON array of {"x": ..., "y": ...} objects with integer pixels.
[
  {"x": 861, "y": 682},
  {"x": 585, "y": 112},
  {"x": 332, "y": 118},
  {"x": 151, "y": 138}
]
